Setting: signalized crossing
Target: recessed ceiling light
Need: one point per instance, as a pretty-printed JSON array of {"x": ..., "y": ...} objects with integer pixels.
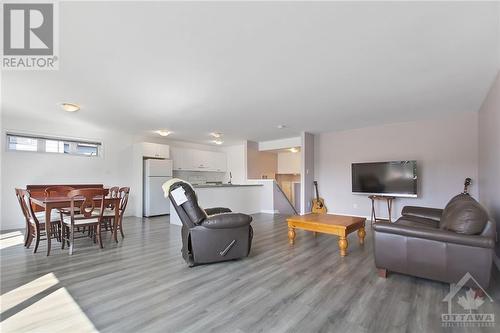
[
  {"x": 294, "y": 150},
  {"x": 70, "y": 107},
  {"x": 281, "y": 126},
  {"x": 216, "y": 135},
  {"x": 218, "y": 142},
  {"x": 163, "y": 132}
]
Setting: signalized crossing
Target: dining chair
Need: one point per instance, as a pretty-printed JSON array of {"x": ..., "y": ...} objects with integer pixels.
[
  {"x": 114, "y": 192},
  {"x": 109, "y": 213},
  {"x": 83, "y": 213},
  {"x": 35, "y": 222}
]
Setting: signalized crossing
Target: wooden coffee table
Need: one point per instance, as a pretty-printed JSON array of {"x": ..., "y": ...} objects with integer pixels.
[{"x": 339, "y": 225}]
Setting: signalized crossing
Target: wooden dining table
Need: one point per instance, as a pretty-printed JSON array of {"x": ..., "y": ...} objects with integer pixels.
[{"x": 58, "y": 202}]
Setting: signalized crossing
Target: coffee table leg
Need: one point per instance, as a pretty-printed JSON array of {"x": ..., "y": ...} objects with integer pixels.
[
  {"x": 291, "y": 235},
  {"x": 343, "y": 246},
  {"x": 361, "y": 235}
]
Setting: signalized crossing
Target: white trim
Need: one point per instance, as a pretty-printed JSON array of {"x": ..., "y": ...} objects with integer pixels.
[{"x": 269, "y": 211}]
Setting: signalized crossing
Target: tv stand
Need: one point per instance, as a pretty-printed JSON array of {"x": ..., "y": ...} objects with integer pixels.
[{"x": 389, "y": 200}]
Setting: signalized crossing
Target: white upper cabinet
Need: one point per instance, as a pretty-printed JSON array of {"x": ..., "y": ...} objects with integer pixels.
[
  {"x": 198, "y": 160},
  {"x": 155, "y": 150}
]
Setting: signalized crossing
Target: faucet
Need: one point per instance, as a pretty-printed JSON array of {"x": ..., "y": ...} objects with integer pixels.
[{"x": 230, "y": 178}]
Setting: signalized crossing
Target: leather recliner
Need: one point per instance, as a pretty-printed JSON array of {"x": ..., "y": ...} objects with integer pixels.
[
  {"x": 211, "y": 235},
  {"x": 438, "y": 244}
]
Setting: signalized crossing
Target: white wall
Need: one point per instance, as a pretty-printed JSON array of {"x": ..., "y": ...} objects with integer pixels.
[
  {"x": 307, "y": 173},
  {"x": 489, "y": 154},
  {"x": 21, "y": 168},
  {"x": 236, "y": 163},
  {"x": 446, "y": 150},
  {"x": 289, "y": 163}
]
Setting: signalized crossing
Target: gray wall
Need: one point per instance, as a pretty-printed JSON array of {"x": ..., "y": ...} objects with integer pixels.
[
  {"x": 489, "y": 154},
  {"x": 446, "y": 150},
  {"x": 260, "y": 163}
]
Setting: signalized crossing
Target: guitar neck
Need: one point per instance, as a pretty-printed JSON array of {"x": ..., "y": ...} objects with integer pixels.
[{"x": 317, "y": 193}]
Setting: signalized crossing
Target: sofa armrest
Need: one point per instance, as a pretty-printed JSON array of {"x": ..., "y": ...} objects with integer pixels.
[
  {"x": 217, "y": 210},
  {"x": 227, "y": 221},
  {"x": 425, "y": 212},
  {"x": 434, "y": 234}
]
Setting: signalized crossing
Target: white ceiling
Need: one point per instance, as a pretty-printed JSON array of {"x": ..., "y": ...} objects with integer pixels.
[{"x": 243, "y": 68}]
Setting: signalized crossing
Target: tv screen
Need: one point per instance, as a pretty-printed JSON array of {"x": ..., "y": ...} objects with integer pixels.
[{"x": 398, "y": 178}]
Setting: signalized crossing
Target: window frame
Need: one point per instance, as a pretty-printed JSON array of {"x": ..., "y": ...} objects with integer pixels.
[{"x": 42, "y": 144}]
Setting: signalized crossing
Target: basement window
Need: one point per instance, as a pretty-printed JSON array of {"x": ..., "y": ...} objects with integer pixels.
[{"x": 42, "y": 144}]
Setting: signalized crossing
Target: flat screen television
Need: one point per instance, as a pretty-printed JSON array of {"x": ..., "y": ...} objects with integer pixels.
[{"x": 395, "y": 178}]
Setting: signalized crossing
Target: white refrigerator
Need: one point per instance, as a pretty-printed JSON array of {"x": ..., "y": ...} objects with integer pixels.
[{"x": 156, "y": 172}]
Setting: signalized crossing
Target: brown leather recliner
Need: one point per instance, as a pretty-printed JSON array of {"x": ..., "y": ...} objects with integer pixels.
[
  {"x": 211, "y": 235},
  {"x": 438, "y": 244}
]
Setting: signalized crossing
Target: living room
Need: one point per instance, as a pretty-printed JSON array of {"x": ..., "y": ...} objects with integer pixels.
[{"x": 250, "y": 166}]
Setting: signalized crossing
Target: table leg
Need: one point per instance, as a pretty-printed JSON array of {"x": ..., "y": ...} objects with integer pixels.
[
  {"x": 48, "y": 229},
  {"x": 361, "y": 235},
  {"x": 373, "y": 218},
  {"x": 389, "y": 207},
  {"x": 343, "y": 246},
  {"x": 291, "y": 235}
]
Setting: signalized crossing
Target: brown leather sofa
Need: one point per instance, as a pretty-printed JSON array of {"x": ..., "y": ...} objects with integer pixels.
[{"x": 438, "y": 244}]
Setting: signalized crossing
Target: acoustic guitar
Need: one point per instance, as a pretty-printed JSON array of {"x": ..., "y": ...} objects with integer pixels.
[
  {"x": 467, "y": 183},
  {"x": 318, "y": 204}
]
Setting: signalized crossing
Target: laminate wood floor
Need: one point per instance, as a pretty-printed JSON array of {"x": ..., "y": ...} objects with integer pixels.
[{"x": 143, "y": 285}]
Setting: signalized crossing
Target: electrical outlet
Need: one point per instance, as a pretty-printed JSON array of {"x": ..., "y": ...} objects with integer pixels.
[{"x": 355, "y": 205}]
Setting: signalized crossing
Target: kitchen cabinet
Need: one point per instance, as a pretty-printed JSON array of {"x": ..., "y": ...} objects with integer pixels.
[
  {"x": 155, "y": 150},
  {"x": 187, "y": 159}
]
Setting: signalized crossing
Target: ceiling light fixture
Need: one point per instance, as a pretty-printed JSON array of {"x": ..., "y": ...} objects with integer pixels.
[
  {"x": 163, "y": 132},
  {"x": 281, "y": 126},
  {"x": 218, "y": 142},
  {"x": 216, "y": 135},
  {"x": 294, "y": 150},
  {"x": 70, "y": 107}
]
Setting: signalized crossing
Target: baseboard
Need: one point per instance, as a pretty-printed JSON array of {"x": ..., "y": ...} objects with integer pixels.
[{"x": 269, "y": 211}]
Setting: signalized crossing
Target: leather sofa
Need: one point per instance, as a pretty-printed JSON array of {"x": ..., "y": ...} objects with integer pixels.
[
  {"x": 210, "y": 235},
  {"x": 438, "y": 244}
]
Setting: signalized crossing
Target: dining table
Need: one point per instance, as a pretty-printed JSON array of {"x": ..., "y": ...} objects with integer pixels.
[{"x": 59, "y": 202}]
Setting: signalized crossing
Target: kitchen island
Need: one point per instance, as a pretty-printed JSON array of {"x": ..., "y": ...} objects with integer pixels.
[{"x": 240, "y": 198}]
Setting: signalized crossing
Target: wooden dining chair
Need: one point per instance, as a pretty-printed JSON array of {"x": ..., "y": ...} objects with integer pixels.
[
  {"x": 109, "y": 213},
  {"x": 85, "y": 211},
  {"x": 21, "y": 199},
  {"x": 35, "y": 221}
]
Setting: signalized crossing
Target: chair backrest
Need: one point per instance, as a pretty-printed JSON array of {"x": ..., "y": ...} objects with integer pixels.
[
  {"x": 113, "y": 192},
  {"x": 123, "y": 194},
  {"x": 88, "y": 206},
  {"x": 59, "y": 190},
  {"x": 24, "y": 199},
  {"x": 190, "y": 213},
  {"x": 21, "y": 198}
]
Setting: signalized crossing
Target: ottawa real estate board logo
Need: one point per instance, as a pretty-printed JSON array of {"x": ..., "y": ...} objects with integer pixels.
[
  {"x": 467, "y": 306},
  {"x": 30, "y": 36}
]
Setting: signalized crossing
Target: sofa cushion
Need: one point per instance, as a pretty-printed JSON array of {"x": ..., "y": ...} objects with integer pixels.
[
  {"x": 464, "y": 216},
  {"x": 448, "y": 209},
  {"x": 416, "y": 221}
]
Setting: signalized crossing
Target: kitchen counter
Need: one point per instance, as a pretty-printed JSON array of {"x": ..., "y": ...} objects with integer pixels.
[
  {"x": 240, "y": 198},
  {"x": 224, "y": 185}
]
